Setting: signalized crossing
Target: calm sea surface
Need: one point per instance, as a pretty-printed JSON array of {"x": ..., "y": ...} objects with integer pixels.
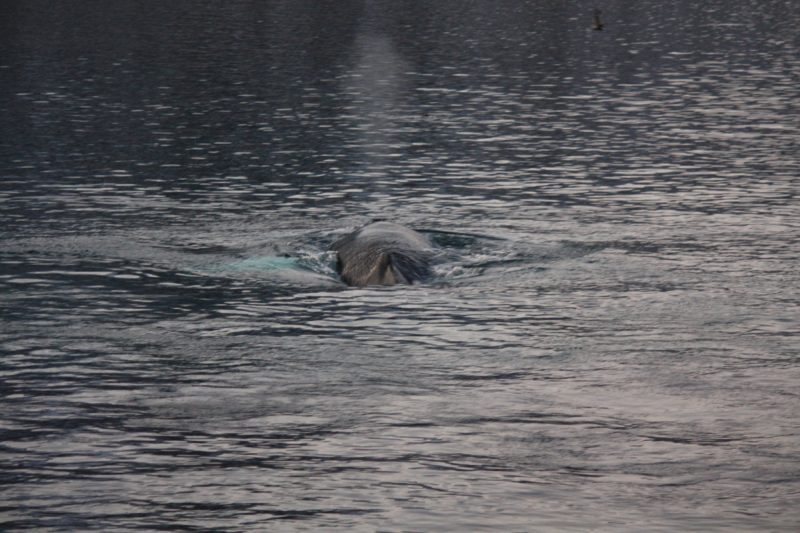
[{"x": 611, "y": 341}]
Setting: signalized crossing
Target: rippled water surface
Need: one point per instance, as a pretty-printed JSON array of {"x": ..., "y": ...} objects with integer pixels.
[{"x": 609, "y": 343}]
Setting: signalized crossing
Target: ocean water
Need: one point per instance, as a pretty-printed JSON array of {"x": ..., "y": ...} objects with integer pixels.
[{"x": 610, "y": 341}]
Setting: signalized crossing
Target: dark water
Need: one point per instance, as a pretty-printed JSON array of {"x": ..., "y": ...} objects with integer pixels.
[{"x": 611, "y": 339}]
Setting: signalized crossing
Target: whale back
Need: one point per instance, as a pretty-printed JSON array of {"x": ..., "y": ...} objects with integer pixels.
[{"x": 383, "y": 253}]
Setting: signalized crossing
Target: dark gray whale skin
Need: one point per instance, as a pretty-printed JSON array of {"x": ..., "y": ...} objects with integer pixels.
[{"x": 383, "y": 253}]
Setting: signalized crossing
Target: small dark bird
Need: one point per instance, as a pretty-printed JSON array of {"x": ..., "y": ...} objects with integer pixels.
[{"x": 598, "y": 24}]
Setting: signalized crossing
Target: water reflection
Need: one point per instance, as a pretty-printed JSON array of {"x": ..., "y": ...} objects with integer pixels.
[{"x": 609, "y": 338}]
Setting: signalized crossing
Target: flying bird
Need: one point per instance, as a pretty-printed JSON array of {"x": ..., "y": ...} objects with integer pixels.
[{"x": 598, "y": 24}]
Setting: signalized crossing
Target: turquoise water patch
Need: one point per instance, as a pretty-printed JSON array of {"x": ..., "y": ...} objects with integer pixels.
[
  {"x": 258, "y": 263},
  {"x": 264, "y": 263}
]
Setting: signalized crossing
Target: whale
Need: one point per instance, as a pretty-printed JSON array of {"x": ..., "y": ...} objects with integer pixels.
[{"x": 383, "y": 253}]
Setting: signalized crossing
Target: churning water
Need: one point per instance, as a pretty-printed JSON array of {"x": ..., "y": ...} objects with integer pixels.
[{"x": 610, "y": 342}]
